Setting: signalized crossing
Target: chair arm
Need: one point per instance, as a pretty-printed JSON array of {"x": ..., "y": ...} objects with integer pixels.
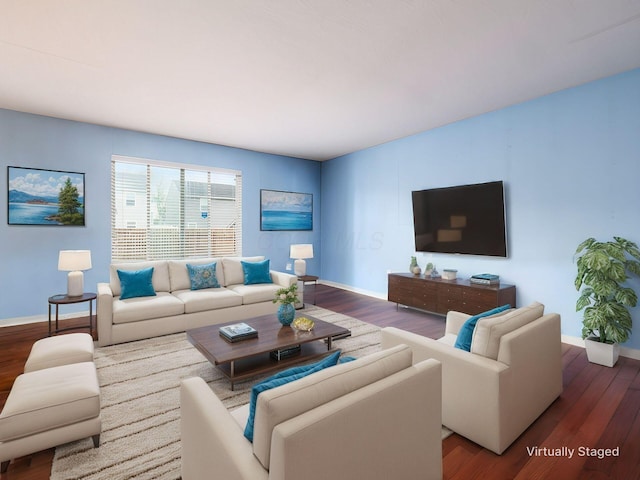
[
  {"x": 104, "y": 313},
  {"x": 283, "y": 279},
  {"x": 454, "y": 322},
  {"x": 213, "y": 444},
  {"x": 387, "y": 429},
  {"x": 534, "y": 353}
]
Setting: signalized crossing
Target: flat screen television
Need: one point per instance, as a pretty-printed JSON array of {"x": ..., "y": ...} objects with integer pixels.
[{"x": 467, "y": 219}]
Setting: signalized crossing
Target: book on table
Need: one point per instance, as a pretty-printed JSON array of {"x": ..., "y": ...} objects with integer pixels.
[
  {"x": 485, "y": 279},
  {"x": 237, "y": 332}
]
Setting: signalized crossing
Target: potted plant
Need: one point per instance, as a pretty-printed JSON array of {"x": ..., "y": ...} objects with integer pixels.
[
  {"x": 286, "y": 297},
  {"x": 603, "y": 268}
]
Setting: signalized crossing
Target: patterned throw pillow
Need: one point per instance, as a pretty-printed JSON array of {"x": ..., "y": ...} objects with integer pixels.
[{"x": 203, "y": 276}]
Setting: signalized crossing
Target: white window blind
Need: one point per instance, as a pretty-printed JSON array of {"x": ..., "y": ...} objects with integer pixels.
[{"x": 161, "y": 210}]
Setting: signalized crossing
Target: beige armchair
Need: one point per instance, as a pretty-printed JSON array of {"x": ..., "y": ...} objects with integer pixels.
[
  {"x": 377, "y": 417},
  {"x": 493, "y": 395}
]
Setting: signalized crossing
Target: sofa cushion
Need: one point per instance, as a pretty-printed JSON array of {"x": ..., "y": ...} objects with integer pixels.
[
  {"x": 203, "y": 276},
  {"x": 287, "y": 401},
  {"x": 60, "y": 350},
  {"x": 465, "y": 334},
  {"x": 160, "y": 278},
  {"x": 489, "y": 331},
  {"x": 233, "y": 272},
  {"x": 145, "y": 308},
  {"x": 136, "y": 283},
  {"x": 208, "y": 299},
  {"x": 282, "y": 378},
  {"x": 179, "y": 275},
  {"x": 264, "y": 292}
]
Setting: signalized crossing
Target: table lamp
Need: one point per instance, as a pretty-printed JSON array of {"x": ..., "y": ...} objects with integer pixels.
[
  {"x": 300, "y": 252},
  {"x": 74, "y": 261}
]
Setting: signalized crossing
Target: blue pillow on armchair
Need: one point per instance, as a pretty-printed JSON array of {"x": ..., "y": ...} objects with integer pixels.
[
  {"x": 465, "y": 335},
  {"x": 282, "y": 378}
]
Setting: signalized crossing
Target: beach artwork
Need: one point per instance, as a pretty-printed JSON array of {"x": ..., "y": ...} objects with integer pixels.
[
  {"x": 285, "y": 210},
  {"x": 45, "y": 197}
]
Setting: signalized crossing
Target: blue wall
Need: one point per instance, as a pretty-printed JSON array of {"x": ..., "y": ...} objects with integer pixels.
[
  {"x": 570, "y": 162},
  {"x": 28, "y": 262}
]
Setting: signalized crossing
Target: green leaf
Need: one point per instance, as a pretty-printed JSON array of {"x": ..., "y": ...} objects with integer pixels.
[
  {"x": 627, "y": 297},
  {"x": 586, "y": 244}
]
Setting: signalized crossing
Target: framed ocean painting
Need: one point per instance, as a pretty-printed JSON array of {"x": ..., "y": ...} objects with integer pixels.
[
  {"x": 45, "y": 197},
  {"x": 285, "y": 210}
]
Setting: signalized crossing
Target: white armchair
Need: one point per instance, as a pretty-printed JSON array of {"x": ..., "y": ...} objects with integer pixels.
[
  {"x": 492, "y": 399},
  {"x": 377, "y": 417}
]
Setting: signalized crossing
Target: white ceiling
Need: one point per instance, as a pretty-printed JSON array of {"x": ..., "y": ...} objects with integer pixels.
[{"x": 307, "y": 78}]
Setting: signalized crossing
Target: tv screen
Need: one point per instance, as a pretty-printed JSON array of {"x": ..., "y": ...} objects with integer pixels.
[{"x": 466, "y": 219}]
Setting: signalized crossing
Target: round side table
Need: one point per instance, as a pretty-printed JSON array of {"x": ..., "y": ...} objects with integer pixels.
[{"x": 64, "y": 299}]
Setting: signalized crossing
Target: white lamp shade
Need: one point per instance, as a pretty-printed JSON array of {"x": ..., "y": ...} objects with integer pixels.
[
  {"x": 74, "y": 260},
  {"x": 301, "y": 250}
]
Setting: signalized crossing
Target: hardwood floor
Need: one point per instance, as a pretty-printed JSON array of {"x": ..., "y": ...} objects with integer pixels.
[{"x": 599, "y": 407}]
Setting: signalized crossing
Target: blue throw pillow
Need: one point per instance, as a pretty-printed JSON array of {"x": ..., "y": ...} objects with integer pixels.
[
  {"x": 203, "y": 276},
  {"x": 136, "y": 283},
  {"x": 282, "y": 378},
  {"x": 465, "y": 335},
  {"x": 256, "y": 272}
]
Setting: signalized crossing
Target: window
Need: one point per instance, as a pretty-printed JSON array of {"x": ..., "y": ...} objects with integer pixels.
[{"x": 161, "y": 210}]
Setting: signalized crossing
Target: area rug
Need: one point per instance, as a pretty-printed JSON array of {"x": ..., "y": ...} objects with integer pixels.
[{"x": 140, "y": 403}]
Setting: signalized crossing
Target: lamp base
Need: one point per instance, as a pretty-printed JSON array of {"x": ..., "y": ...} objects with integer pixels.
[
  {"x": 75, "y": 284},
  {"x": 300, "y": 267}
]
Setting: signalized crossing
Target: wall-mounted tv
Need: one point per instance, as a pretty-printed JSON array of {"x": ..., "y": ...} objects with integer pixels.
[{"x": 467, "y": 219}]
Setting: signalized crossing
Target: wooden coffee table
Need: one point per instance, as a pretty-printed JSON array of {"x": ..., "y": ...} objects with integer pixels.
[{"x": 247, "y": 358}]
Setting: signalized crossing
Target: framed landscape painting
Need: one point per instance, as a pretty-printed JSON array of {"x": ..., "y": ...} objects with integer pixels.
[
  {"x": 45, "y": 197},
  {"x": 285, "y": 210}
]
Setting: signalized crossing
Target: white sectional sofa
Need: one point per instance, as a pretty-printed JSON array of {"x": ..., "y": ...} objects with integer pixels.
[{"x": 175, "y": 307}]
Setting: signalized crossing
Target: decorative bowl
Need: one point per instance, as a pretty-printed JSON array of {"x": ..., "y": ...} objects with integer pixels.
[{"x": 303, "y": 324}]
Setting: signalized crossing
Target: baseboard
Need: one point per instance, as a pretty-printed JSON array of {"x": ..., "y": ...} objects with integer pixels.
[
  {"x": 369, "y": 293},
  {"x": 11, "y": 322}
]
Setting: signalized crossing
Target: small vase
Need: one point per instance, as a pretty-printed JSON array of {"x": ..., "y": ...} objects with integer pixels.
[
  {"x": 413, "y": 264},
  {"x": 286, "y": 313}
]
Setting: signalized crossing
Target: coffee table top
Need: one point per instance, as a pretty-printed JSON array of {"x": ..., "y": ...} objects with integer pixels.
[{"x": 271, "y": 336}]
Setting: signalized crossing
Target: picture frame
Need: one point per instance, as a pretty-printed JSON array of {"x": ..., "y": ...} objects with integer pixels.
[
  {"x": 285, "y": 211},
  {"x": 42, "y": 197}
]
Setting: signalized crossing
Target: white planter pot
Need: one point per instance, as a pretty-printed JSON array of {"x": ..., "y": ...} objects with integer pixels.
[{"x": 602, "y": 353}]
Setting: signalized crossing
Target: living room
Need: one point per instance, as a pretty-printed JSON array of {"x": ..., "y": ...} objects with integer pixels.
[{"x": 568, "y": 159}]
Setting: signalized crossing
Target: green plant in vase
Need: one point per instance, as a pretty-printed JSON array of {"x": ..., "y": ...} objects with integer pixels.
[
  {"x": 603, "y": 269},
  {"x": 286, "y": 297}
]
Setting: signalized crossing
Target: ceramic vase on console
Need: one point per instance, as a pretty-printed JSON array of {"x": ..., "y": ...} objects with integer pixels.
[
  {"x": 413, "y": 264},
  {"x": 286, "y": 313}
]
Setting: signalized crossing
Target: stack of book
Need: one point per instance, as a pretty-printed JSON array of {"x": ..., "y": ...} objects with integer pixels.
[
  {"x": 238, "y": 332},
  {"x": 485, "y": 279},
  {"x": 285, "y": 352}
]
